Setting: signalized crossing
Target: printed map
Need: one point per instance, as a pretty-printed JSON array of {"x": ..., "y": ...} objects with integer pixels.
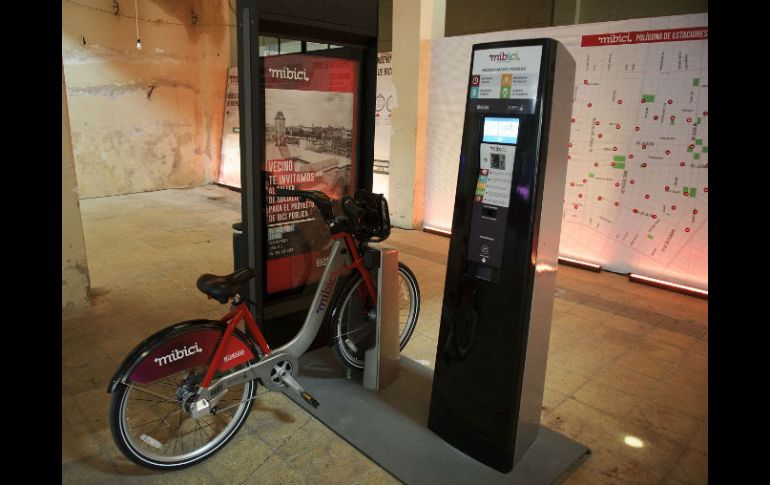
[{"x": 637, "y": 180}]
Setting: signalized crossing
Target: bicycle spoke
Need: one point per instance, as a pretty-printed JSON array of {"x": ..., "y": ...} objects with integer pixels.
[
  {"x": 352, "y": 331},
  {"x": 154, "y": 400},
  {"x": 162, "y": 398},
  {"x": 163, "y": 420},
  {"x": 235, "y": 405},
  {"x": 207, "y": 425},
  {"x": 179, "y": 427},
  {"x": 136, "y": 426}
]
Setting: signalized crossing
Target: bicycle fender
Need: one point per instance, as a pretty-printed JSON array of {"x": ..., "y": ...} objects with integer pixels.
[{"x": 177, "y": 347}]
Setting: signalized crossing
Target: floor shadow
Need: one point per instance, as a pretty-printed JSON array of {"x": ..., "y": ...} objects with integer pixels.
[
  {"x": 409, "y": 394},
  {"x": 120, "y": 466},
  {"x": 277, "y": 412}
]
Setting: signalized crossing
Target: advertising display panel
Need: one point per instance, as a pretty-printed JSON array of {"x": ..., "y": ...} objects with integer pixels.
[{"x": 310, "y": 119}]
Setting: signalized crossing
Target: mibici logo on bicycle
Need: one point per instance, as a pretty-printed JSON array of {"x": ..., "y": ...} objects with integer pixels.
[
  {"x": 326, "y": 293},
  {"x": 177, "y": 354}
]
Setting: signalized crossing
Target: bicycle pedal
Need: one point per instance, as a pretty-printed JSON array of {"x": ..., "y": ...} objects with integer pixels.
[{"x": 310, "y": 399}]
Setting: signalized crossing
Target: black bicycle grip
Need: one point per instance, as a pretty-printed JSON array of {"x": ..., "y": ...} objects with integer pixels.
[
  {"x": 289, "y": 193},
  {"x": 320, "y": 199}
]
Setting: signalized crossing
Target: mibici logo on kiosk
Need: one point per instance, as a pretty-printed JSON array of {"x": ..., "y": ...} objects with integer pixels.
[
  {"x": 505, "y": 56},
  {"x": 503, "y": 74}
]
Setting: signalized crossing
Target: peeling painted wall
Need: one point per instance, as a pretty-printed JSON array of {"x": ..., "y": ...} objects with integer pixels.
[
  {"x": 74, "y": 270},
  {"x": 145, "y": 119}
]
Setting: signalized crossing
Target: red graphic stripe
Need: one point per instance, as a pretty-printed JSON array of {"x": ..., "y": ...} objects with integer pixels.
[
  {"x": 645, "y": 36},
  {"x": 310, "y": 73}
]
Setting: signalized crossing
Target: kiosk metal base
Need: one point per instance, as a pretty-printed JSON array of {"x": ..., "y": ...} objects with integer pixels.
[{"x": 390, "y": 427}]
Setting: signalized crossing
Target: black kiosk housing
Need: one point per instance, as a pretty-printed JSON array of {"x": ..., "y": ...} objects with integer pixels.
[{"x": 495, "y": 323}]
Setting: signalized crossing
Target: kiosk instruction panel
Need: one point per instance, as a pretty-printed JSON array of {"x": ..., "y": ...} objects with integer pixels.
[
  {"x": 505, "y": 80},
  {"x": 493, "y": 192}
]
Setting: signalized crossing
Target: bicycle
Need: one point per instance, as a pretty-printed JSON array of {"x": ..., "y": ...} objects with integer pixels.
[{"x": 185, "y": 391}]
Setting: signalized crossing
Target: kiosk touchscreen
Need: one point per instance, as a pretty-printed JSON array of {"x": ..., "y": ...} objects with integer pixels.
[{"x": 493, "y": 340}]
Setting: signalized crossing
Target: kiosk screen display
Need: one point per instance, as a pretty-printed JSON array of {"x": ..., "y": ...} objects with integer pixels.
[{"x": 501, "y": 130}]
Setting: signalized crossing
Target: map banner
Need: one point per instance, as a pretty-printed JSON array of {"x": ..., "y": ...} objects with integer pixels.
[
  {"x": 636, "y": 195},
  {"x": 645, "y": 36}
]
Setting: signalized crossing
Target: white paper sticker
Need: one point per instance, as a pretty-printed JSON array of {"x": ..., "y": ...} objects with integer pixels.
[
  {"x": 506, "y": 73},
  {"x": 495, "y": 174}
]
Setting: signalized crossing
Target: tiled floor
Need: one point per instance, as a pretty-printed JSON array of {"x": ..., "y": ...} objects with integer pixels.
[{"x": 624, "y": 360}]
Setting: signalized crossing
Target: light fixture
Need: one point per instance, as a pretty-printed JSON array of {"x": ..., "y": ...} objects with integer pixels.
[
  {"x": 136, "y": 11},
  {"x": 633, "y": 441},
  {"x": 596, "y": 268},
  {"x": 689, "y": 290}
]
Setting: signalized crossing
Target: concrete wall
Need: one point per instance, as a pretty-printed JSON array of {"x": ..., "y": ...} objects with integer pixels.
[
  {"x": 477, "y": 16},
  {"x": 589, "y": 11},
  {"x": 472, "y": 17},
  {"x": 74, "y": 270},
  {"x": 150, "y": 119},
  {"x": 385, "y": 26}
]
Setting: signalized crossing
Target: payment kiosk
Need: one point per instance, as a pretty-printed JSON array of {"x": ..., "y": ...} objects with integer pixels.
[{"x": 487, "y": 389}]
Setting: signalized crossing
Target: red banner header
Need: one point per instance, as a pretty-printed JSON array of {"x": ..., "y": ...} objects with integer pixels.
[
  {"x": 310, "y": 73},
  {"x": 645, "y": 36}
]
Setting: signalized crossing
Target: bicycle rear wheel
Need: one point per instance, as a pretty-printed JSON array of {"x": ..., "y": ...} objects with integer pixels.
[
  {"x": 150, "y": 418},
  {"x": 354, "y": 319}
]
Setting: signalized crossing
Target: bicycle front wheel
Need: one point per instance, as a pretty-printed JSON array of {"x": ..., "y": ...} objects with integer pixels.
[
  {"x": 354, "y": 319},
  {"x": 150, "y": 418}
]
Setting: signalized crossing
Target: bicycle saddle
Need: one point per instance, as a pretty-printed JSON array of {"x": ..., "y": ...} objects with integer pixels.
[{"x": 222, "y": 288}]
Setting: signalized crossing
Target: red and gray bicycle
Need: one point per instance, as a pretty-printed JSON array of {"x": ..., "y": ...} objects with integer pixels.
[{"x": 185, "y": 391}]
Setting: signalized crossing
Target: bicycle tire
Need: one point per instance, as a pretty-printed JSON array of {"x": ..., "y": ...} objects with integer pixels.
[
  {"x": 148, "y": 447},
  {"x": 350, "y": 318}
]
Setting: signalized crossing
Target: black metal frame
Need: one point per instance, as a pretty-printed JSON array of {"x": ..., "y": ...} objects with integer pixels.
[{"x": 351, "y": 24}]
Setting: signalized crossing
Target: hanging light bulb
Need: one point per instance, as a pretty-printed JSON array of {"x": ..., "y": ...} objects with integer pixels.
[{"x": 136, "y": 11}]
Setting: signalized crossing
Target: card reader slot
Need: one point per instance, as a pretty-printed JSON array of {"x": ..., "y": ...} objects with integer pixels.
[{"x": 489, "y": 212}]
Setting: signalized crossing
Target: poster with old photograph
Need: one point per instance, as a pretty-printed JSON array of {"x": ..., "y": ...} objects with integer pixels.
[{"x": 309, "y": 145}]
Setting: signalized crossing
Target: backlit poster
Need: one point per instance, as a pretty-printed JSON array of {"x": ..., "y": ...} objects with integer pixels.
[{"x": 310, "y": 109}]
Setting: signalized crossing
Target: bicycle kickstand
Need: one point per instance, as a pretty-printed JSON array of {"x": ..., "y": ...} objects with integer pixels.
[{"x": 296, "y": 387}]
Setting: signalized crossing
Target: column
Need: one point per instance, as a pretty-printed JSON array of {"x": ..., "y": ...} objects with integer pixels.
[
  {"x": 415, "y": 24},
  {"x": 74, "y": 267}
]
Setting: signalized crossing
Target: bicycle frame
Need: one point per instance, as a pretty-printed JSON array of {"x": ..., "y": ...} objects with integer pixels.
[{"x": 340, "y": 261}]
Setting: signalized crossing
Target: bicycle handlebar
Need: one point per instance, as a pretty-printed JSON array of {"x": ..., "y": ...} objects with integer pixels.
[
  {"x": 321, "y": 200},
  {"x": 355, "y": 221}
]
